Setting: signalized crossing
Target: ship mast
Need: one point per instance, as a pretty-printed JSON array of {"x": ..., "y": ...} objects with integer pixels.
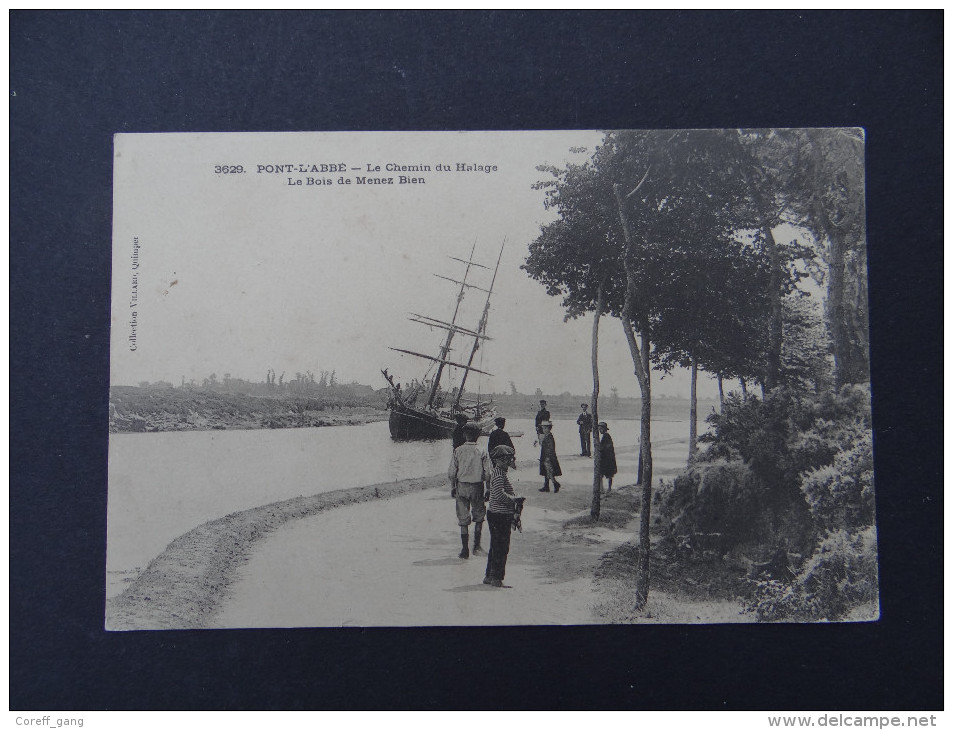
[
  {"x": 481, "y": 329},
  {"x": 445, "y": 350}
]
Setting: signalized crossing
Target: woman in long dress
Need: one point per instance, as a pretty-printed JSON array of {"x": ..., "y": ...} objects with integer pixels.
[
  {"x": 548, "y": 462},
  {"x": 607, "y": 465}
]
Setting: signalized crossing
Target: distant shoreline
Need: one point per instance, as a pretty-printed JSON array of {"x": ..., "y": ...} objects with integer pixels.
[
  {"x": 164, "y": 424},
  {"x": 150, "y": 410},
  {"x": 146, "y": 410}
]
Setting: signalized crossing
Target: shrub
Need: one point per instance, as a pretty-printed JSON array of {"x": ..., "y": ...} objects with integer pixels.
[
  {"x": 788, "y": 433},
  {"x": 840, "y": 576},
  {"x": 841, "y": 494},
  {"x": 810, "y": 452}
]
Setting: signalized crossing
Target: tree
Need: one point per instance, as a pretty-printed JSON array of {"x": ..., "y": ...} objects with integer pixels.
[
  {"x": 595, "y": 507},
  {"x": 814, "y": 179},
  {"x": 640, "y": 358},
  {"x": 577, "y": 257},
  {"x": 806, "y": 356},
  {"x": 826, "y": 195},
  {"x": 674, "y": 230},
  {"x": 684, "y": 189},
  {"x": 602, "y": 232},
  {"x": 726, "y": 312},
  {"x": 716, "y": 312}
]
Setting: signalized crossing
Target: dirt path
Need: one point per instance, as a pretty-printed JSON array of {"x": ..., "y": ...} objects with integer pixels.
[{"x": 394, "y": 563}]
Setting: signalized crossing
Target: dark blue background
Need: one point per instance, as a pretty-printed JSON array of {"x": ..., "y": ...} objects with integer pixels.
[{"x": 78, "y": 78}]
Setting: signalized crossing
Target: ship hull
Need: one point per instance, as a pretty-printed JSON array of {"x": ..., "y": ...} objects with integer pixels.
[{"x": 410, "y": 424}]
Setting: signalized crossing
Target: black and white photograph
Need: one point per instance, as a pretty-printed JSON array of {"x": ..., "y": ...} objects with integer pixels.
[
  {"x": 275, "y": 275},
  {"x": 500, "y": 378}
]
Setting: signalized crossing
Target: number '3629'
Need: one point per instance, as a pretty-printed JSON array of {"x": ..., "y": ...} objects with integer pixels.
[{"x": 228, "y": 169}]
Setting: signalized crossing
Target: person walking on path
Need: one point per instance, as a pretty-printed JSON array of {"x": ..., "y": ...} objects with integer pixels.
[
  {"x": 585, "y": 430},
  {"x": 607, "y": 465},
  {"x": 458, "y": 437},
  {"x": 499, "y": 437},
  {"x": 541, "y": 415},
  {"x": 469, "y": 472},
  {"x": 499, "y": 513},
  {"x": 548, "y": 462}
]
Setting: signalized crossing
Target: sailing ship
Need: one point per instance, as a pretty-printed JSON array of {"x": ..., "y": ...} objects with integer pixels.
[{"x": 425, "y": 409}]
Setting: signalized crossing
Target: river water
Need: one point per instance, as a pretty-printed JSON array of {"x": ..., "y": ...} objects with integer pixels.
[{"x": 161, "y": 485}]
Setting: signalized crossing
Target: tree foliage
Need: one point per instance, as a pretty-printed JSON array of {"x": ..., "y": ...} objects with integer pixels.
[
  {"x": 818, "y": 179},
  {"x": 816, "y": 448},
  {"x": 702, "y": 276},
  {"x": 678, "y": 231}
]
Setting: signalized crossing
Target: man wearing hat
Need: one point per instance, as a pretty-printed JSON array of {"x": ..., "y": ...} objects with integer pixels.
[
  {"x": 541, "y": 415},
  {"x": 458, "y": 437},
  {"x": 585, "y": 430},
  {"x": 498, "y": 436},
  {"x": 469, "y": 475}
]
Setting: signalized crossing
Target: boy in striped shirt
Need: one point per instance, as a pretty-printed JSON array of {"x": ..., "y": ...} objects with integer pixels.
[{"x": 499, "y": 514}]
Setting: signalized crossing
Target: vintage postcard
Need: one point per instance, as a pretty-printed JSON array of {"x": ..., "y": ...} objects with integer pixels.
[{"x": 489, "y": 378}]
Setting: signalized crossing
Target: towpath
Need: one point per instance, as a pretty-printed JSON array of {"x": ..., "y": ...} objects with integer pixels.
[{"x": 394, "y": 563}]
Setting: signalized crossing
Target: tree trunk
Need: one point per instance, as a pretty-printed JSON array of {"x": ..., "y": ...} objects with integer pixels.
[
  {"x": 858, "y": 314},
  {"x": 847, "y": 321},
  {"x": 595, "y": 508},
  {"x": 638, "y": 482},
  {"x": 776, "y": 327},
  {"x": 693, "y": 415},
  {"x": 846, "y": 307},
  {"x": 721, "y": 392},
  {"x": 643, "y": 573},
  {"x": 744, "y": 389},
  {"x": 640, "y": 358}
]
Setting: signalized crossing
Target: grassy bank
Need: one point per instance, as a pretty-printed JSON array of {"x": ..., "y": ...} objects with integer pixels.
[{"x": 682, "y": 589}]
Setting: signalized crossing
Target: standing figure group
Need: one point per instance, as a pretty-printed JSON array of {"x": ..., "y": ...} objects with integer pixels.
[
  {"x": 482, "y": 491},
  {"x": 549, "y": 463}
]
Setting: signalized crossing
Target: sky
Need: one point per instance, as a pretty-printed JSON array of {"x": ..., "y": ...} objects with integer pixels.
[{"x": 242, "y": 272}]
